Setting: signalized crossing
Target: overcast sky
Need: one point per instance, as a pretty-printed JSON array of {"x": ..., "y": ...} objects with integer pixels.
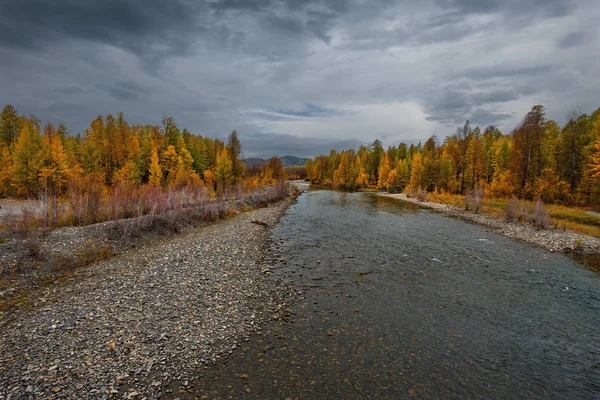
[{"x": 300, "y": 77}]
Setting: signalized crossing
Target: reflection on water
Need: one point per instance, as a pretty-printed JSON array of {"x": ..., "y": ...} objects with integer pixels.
[
  {"x": 402, "y": 303},
  {"x": 591, "y": 262}
]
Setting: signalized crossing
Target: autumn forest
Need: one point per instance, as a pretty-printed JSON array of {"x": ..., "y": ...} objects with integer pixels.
[
  {"x": 116, "y": 170},
  {"x": 538, "y": 160}
]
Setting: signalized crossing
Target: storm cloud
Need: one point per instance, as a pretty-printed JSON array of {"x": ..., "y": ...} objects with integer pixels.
[{"x": 301, "y": 77}]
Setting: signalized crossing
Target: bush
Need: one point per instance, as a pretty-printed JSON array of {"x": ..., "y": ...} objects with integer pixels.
[
  {"x": 541, "y": 217},
  {"x": 473, "y": 199},
  {"x": 522, "y": 211},
  {"x": 511, "y": 210}
]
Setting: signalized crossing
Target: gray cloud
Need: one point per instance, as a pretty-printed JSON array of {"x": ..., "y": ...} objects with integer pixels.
[
  {"x": 281, "y": 145},
  {"x": 511, "y": 7},
  {"x": 277, "y": 69},
  {"x": 571, "y": 39},
  {"x": 497, "y": 96},
  {"x": 135, "y": 25}
]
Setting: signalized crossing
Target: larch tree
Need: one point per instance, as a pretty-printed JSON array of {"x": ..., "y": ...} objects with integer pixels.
[
  {"x": 5, "y": 172},
  {"x": 224, "y": 175},
  {"x": 383, "y": 172},
  {"x": 155, "y": 171},
  {"x": 169, "y": 163},
  {"x": 10, "y": 125},
  {"x": 26, "y": 161}
]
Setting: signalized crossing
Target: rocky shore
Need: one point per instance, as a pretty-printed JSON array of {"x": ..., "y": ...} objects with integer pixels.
[
  {"x": 146, "y": 322},
  {"x": 554, "y": 240}
]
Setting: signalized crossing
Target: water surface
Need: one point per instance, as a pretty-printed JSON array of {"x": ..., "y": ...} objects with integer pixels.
[{"x": 405, "y": 303}]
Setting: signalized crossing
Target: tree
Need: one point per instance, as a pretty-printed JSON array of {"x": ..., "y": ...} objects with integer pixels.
[
  {"x": 53, "y": 164},
  {"x": 234, "y": 145},
  {"x": 169, "y": 163},
  {"x": 383, "y": 172},
  {"x": 185, "y": 169},
  {"x": 170, "y": 131},
  {"x": 156, "y": 176},
  {"x": 377, "y": 154},
  {"x": 26, "y": 162},
  {"x": 527, "y": 144},
  {"x": 5, "y": 172},
  {"x": 574, "y": 138},
  {"x": 416, "y": 175},
  {"x": 224, "y": 176},
  {"x": 595, "y": 164},
  {"x": 10, "y": 125}
]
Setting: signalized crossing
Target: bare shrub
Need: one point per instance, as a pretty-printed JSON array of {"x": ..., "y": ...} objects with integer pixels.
[
  {"x": 163, "y": 224},
  {"x": 33, "y": 248},
  {"x": 116, "y": 231},
  {"x": 511, "y": 210},
  {"x": 473, "y": 199},
  {"x": 522, "y": 211},
  {"x": 421, "y": 194},
  {"x": 541, "y": 217}
]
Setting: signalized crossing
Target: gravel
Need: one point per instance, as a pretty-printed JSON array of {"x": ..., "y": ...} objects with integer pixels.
[
  {"x": 146, "y": 322},
  {"x": 554, "y": 240}
]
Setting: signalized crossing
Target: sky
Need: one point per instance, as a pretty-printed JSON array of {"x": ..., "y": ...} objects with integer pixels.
[{"x": 301, "y": 77}]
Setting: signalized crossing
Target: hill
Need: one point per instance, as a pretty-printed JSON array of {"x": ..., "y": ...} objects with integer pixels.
[
  {"x": 288, "y": 161},
  {"x": 254, "y": 162}
]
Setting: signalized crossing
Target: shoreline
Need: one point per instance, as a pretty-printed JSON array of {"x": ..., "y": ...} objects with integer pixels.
[
  {"x": 149, "y": 317},
  {"x": 553, "y": 240}
]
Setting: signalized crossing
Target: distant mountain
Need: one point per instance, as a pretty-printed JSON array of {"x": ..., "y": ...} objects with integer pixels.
[
  {"x": 288, "y": 161},
  {"x": 291, "y": 161},
  {"x": 254, "y": 162}
]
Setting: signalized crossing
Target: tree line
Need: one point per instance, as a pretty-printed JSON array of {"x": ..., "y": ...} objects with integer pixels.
[
  {"x": 537, "y": 160},
  {"x": 110, "y": 151}
]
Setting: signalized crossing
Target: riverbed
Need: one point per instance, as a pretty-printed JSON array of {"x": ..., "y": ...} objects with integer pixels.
[{"x": 401, "y": 302}]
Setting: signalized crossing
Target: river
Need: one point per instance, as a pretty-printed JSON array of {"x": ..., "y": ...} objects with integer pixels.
[{"x": 402, "y": 302}]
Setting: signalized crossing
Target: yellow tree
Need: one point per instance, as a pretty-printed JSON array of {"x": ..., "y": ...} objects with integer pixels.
[
  {"x": 361, "y": 178},
  {"x": 25, "y": 167},
  {"x": 403, "y": 173},
  {"x": 384, "y": 172},
  {"x": 393, "y": 181},
  {"x": 209, "y": 180},
  {"x": 155, "y": 170},
  {"x": 53, "y": 162},
  {"x": 224, "y": 175},
  {"x": 341, "y": 176},
  {"x": 595, "y": 164},
  {"x": 185, "y": 169},
  {"x": 53, "y": 168},
  {"x": 126, "y": 175},
  {"x": 169, "y": 163},
  {"x": 416, "y": 176},
  {"x": 5, "y": 171}
]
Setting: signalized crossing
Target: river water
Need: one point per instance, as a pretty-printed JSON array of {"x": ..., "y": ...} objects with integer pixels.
[{"x": 402, "y": 302}]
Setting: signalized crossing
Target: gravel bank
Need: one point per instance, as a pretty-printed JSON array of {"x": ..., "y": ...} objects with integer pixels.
[
  {"x": 554, "y": 240},
  {"x": 144, "y": 323}
]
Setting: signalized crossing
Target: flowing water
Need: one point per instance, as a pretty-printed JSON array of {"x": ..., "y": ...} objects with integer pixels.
[{"x": 401, "y": 302}]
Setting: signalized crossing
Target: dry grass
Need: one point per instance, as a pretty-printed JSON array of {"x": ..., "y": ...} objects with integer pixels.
[
  {"x": 577, "y": 219},
  {"x": 83, "y": 205}
]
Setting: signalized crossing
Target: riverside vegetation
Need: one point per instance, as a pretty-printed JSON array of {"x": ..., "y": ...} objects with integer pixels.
[
  {"x": 515, "y": 175},
  {"x": 115, "y": 186}
]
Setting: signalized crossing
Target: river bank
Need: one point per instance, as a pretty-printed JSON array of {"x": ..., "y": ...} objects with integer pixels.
[
  {"x": 554, "y": 240},
  {"x": 149, "y": 319}
]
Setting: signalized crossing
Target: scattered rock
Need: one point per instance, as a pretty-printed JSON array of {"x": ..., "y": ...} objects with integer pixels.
[{"x": 147, "y": 317}]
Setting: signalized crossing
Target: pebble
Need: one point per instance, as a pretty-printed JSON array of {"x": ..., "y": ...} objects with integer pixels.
[{"x": 163, "y": 310}]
